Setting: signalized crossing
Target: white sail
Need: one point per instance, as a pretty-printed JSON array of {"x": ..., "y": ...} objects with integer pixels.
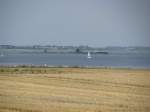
[{"x": 89, "y": 55}]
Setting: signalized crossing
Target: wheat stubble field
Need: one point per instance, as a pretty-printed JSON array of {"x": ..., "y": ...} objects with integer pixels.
[{"x": 74, "y": 90}]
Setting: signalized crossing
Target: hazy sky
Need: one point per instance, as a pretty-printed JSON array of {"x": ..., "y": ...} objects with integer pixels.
[{"x": 75, "y": 22}]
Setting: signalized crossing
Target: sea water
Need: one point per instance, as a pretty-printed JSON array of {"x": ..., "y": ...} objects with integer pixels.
[{"x": 98, "y": 60}]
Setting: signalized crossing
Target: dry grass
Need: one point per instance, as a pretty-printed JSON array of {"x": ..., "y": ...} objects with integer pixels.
[{"x": 74, "y": 90}]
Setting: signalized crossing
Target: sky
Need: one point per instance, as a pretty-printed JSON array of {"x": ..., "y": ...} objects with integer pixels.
[{"x": 95, "y": 23}]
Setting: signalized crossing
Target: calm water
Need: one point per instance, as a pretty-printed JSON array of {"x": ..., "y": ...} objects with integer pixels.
[{"x": 110, "y": 60}]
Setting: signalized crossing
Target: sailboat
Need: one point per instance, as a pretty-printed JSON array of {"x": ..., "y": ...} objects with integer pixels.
[{"x": 89, "y": 55}]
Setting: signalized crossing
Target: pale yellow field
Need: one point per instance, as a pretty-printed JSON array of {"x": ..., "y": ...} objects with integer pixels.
[{"x": 76, "y": 90}]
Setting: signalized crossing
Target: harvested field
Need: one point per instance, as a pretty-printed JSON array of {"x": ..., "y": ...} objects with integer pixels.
[{"x": 74, "y": 90}]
